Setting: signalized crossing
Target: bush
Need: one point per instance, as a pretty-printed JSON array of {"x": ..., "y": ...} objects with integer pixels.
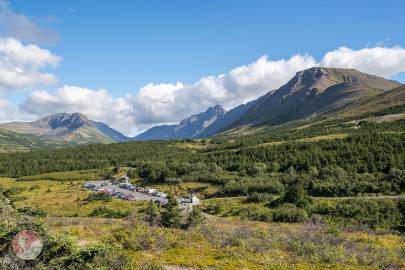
[
  {"x": 255, "y": 213},
  {"x": 108, "y": 213},
  {"x": 28, "y": 210},
  {"x": 383, "y": 213},
  {"x": 246, "y": 186},
  {"x": 259, "y": 197},
  {"x": 99, "y": 197},
  {"x": 214, "y": 208},
  {"x": 289, "y": 213}
]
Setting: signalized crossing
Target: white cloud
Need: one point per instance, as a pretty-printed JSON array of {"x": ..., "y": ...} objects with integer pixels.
[
  {"x": 156, "y": 103},
  {"x": 98, "y": 105},
  {"x": 21, "y": 66},
  {"x": 379, "y": 61},
  {"x": 10, "y": 113},
  {"x": 23, "y": 28}
]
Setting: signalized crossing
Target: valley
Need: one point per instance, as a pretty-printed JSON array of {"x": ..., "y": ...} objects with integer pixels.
[{"x": 324, "y": 189}]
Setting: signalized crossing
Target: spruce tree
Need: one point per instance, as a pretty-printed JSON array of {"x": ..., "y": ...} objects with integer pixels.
[
  {"x": 171, "y": 216},
  {"x": 152, "y": 213},
  {"x": 195, "y": 217}
]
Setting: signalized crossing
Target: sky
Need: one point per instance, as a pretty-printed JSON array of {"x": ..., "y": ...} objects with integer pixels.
[{"x": 136, "y": 64}]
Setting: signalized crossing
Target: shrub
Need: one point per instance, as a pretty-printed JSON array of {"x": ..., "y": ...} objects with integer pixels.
[
  {"x": 214, "y": 208},
  {"x": 108, "y": 213},
  {"x": 98, "y": 197},
  {"x": 383, "y": 213},
  {"x": 289, "y": 213},
  {"x": 195, "y": 218},
  {"x": 29, "y": 210},
  {"x": 259, "y": 197}
]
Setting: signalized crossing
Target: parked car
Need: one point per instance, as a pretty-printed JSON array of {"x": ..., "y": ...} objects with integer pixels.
[
  {"x": 151, "y": 190},
  {"x": 117, "y": 193}
]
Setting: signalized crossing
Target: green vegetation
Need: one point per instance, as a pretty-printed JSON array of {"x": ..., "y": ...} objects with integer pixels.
[
  {"x": 313, "y": 195},
  {"x": 108, "y": 213},
  {"x": 171, "y": 216},
  {"x": 64, "y": 176},
  {"x": 104, "y": 197}
]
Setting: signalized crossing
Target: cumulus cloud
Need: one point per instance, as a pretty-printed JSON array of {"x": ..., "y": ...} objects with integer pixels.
[
  {"x": 21, "y": 65},
  {"x": 23, "y": 28},
  {"x": 9, "y": 113},
  {"x": 156, "y": 103},
  {"x": 165, "y": 103},
  {"x": 379, "y": 61},
  {"x": 98, "y": 105}
]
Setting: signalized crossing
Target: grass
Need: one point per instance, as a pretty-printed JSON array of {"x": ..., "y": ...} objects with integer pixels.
[
  {"x": 336, "y": 136},
  {"x": 62, "y": 198},
  {"x": 65, "y": 176},
  {"x": 225, "y": 244}
]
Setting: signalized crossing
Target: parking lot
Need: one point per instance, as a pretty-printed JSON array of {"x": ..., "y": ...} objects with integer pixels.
[{"x": 132, "y": 195}]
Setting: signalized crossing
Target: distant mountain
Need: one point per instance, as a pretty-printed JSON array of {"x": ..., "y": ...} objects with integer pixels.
[
  {"x": 190, "y": 127},
  {"x": 73, "y": 129},
  {"x": 314, "y": 92},
  {"x": 111, "y": 133},
  {"x": 227, "y": 120},
  {"x": 310, "y": 93}
]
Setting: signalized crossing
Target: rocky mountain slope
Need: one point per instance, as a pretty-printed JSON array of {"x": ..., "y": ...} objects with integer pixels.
[
  {"x": 73, "y": 128},
  {"x": 190, "y": 127}
]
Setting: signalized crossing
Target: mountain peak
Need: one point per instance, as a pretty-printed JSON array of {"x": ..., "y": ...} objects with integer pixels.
[
  {"x": 64, "y": 120},
  {"x": 188, "y": 128}
]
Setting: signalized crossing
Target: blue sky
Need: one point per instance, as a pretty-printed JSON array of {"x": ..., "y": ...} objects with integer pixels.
[{"x": 121, "y": 46}]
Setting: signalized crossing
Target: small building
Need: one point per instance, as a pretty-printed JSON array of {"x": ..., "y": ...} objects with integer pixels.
[
  {"x": 194, "y": 200},
  {"x": 124, "y": 178}
]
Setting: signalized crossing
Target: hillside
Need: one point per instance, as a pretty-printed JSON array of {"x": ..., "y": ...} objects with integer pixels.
[
  {"x": 66, "y": 128},
  {"x": 389, "y": 102},
  {"x": 14, "y": 142}
]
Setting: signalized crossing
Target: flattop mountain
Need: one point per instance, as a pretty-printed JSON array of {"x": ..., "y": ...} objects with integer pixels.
[{"x": 73, "y": 128}]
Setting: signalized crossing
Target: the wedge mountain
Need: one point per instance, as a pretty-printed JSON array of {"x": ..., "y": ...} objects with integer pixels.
[{"x": 314, "y": 92}]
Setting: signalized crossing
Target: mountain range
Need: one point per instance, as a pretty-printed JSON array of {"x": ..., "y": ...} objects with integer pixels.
[
  {"x": 310, "y": 94},
  {"x": 313, "y": 92}
]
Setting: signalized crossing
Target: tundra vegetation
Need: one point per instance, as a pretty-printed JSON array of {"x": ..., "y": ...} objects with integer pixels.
[{"x": 324, "y": 195}]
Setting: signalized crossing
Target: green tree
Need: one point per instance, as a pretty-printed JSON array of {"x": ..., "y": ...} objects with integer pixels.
[
  {"x": 171, "y": 216},
  {"x": 295, "y": 192},
  {"x": 152, "y": 213},
  {"x": 195, "y": 217},
  {"x": 132, "y": 173}
]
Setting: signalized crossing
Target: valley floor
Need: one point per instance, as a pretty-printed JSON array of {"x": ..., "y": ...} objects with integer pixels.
[{"x": 219, "y": 243}]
